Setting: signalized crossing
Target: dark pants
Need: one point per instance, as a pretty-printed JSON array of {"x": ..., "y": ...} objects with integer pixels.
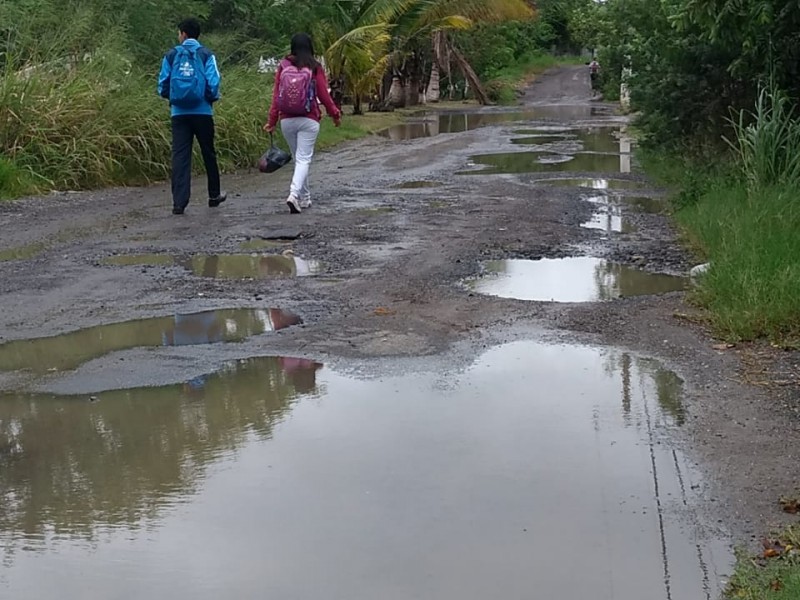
[{"x": 184, "y": 129}]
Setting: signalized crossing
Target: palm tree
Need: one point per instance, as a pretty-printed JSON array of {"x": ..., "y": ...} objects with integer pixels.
[
  {"x": 427, "y": 25},
  {"x": 369, "y": 35}
]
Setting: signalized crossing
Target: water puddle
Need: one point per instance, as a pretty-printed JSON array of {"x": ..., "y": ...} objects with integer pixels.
[
  {"x": 577, "y": 279},
  {"x": 540, "y": 467},
  {"x": 230, "y": 266},
  {"x": 22, "y": 252},
  {"x": 417, "y": 185},
  {"x": 537, "y": 162},
  {"x": 643, "y": 204},
  {"x": 609, "y": 219},
  {"x": 595, "y": 184},
  {"x": 436, "y": 124},
  {"x": 70, "y": 350},
  {"x": 600, "y": 140},
  {"x": 247, "y": 266}
]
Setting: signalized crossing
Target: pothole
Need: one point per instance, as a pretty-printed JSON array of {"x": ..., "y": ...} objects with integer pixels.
[
  {"x": 537, "y": 162},
  {"x": 229, "y": 266},
  {"x": 70, "y": 350},
  {"x": 434, "y": 124},
  {"x": 463, "y": 474},
  {"x": 576, "y": 279}
]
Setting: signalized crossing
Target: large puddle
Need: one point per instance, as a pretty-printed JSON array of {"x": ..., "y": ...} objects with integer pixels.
[
  {"x": 70, "y": 350},
  {"x": 577, "y": 279},
  {"x": 537, "y": 162},
  {"x": 437, "y": 123},
  {"x": 541, "y": 471},
  {"x": 229, "y": 266}
]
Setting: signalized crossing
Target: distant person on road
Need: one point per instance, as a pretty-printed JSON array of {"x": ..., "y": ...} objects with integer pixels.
[
  {"x": 190, "y": 80},
  {"x": 594, "y": 75},
  {"x": 300, "y": 84}
]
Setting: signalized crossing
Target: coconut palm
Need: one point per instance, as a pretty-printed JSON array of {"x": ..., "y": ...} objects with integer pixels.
[{"x": 368, "y": 35}]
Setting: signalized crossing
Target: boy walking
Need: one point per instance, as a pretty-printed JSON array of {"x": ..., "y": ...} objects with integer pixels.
[{"x": 190, "y": 80}]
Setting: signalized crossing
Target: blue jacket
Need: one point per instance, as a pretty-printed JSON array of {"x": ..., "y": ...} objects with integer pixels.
[{"x": 211, "y": 74}]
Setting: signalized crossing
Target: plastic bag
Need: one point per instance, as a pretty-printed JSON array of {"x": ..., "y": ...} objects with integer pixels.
[{"x": 274, "y": 158}]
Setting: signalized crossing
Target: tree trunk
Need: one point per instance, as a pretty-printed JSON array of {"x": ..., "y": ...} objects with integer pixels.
[
  {"x": 433, "y": 93},
  {"x": 397, "y": 93},
  {"x": 357, "y": 110},
  {"x": 471, "y": 77}
]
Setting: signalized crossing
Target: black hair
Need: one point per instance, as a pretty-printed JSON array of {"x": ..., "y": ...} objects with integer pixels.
[
  {"x": 303, "y": 52},
  {"x": 191, "y": 27}
]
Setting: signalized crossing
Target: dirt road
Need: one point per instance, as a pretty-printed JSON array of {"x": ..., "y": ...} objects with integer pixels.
[{"x": 398, "y": 269}]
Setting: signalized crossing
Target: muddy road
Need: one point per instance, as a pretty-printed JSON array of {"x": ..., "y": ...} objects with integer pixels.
[{"x": 468, "y": 369}]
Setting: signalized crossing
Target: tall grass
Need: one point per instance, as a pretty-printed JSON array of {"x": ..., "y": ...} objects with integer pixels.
[
  {"x": 767, "y": 141},
  {"x": 744, "y": 217},
  {"x": 102, "y": 124}
]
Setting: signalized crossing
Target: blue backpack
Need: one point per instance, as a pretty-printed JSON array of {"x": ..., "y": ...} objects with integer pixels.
[{"x": 187, "y": 84}]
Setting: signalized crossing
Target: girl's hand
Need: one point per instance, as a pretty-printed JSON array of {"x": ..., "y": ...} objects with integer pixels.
[{"x": 269, "y": 128}]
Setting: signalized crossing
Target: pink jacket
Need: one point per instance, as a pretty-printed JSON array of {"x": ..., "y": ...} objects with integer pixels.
[{"x": 323, "y": 95}]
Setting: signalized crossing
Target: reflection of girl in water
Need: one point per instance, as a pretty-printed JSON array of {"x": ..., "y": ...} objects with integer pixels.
[
  {"x": 197, "y": 328},
  {"x": 301, "y": 372}
]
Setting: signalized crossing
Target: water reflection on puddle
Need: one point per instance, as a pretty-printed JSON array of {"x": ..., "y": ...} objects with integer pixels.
[
  {"x": 279, "y": 478},
  {"x": 601, "y": 183},
  {"x": 70, "y": 350},
  {"x": 616, "y": 202},
  {"x": 229, "y": 266},
  {"x": 609, "y": 219},
  {"x": 433, "y": 124},
  {"x": 577, "y": 279}
]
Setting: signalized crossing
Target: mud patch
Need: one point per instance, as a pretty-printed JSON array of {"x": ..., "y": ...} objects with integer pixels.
[
  {"x": 417, "y": 185},
  {"x": 577, "y": 279},
  {"x": 70, "y": 350},
  {"x": 131, "y": 260},
  {"x": 461, "y": 475}
]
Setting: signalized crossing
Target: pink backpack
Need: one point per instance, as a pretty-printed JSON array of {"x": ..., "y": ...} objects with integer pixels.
[{"x": 296, "y": 93}]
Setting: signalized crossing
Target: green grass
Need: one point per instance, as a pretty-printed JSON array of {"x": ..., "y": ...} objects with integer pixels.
[
  {"x": 751, "y": 239},
  {"x": 768, "y": 579},
  {"x": 504, "y": 86}
]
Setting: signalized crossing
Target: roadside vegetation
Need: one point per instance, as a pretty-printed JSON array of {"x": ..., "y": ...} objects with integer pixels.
[
  {"x": 714, "y": 85},
  {"x": 78, "y": 107}
]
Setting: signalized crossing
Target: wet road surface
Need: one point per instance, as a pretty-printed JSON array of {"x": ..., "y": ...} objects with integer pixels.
[{"x": 367, "y": 401}]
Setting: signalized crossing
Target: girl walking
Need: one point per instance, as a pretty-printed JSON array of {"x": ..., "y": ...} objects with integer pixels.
[{"x": 299, "y": 83}]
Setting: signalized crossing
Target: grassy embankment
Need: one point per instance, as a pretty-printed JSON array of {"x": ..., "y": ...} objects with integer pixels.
[{"x": 741, "y": 212}]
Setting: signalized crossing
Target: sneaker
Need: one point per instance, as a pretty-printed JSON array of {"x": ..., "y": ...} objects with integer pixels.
[
  {"x": 305, "y": 203},
  {"x": 294, "y": 205},
  {"x": 178, "y": 211},
  {"x": 214, "y": 202}
]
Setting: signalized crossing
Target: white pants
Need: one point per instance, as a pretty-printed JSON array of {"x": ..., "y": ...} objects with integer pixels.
[{"x": 301, "y": 135}]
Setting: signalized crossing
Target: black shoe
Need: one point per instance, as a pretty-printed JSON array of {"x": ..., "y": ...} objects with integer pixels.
[
  {"x": 178, "y": 211},
  {"x": 214, "y": 202}
]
